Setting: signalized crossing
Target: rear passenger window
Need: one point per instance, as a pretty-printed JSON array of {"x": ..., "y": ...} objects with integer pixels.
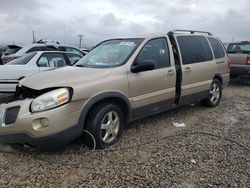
[
  {"x": 194, "y": 49},
  {"x": 156, "y": 50},
  {"x": 51, "y": 60},
  {"x": 217, "y": 48}
]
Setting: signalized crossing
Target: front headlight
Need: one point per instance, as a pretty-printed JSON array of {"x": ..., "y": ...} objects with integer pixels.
[{"x": 50, "y": 100}]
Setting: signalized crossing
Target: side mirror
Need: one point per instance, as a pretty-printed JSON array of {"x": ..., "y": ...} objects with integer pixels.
[{"x": 143, "y": 66}]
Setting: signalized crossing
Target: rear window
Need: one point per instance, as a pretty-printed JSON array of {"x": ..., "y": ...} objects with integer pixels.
[
  {"x": 22, "y": 60},
  {"x": 217, "y": 48},
  {"x": 239, "y": 48},
  {"x": 194, "y": 49},
  {"x": 12, "y": 50}
]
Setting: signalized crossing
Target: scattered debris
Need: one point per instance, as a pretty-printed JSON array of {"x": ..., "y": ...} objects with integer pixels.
[
  {"x": 193, "y": 161},
  {"x": 179, "y": 125}
]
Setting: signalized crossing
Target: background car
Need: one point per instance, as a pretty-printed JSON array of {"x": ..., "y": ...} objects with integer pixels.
[
  {"x": 14, "y": 51},
  {"x": 239, "y": 53},
  {"x": 31, "y": 63},
  {"x": 7, "y": 54}
]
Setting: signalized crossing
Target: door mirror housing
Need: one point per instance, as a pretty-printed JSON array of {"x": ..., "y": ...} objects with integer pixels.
[{"x": 141, "y": 66}]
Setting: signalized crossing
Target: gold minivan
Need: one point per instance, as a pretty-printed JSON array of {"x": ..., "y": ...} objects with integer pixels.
[{"x": 119, "y": 81}]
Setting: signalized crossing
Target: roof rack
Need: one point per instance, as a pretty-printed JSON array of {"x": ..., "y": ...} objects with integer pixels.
[{"x": 189, "y": 31}]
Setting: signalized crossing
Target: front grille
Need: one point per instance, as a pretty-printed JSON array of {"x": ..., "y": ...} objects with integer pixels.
[{"x": 11, "y": 115}]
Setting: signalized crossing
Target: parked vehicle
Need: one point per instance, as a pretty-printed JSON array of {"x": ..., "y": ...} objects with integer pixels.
[
  {"x": 41, "y": 45},
  {"x": 31, "y": 63},
  {"x": 119, "y": 81},
  {"x": 8, "y": 54},
  {"x": 239, "y": 53}
]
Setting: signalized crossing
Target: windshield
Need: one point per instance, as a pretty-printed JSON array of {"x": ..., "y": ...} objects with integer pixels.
[
  {"x": 110, "y": 53},
  {"x": 22, "y": 60},
  {"x": 239, "y": 47}
]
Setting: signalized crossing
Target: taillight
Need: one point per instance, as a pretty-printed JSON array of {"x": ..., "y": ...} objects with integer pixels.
[
  {"x": 229, "y": 62},
  {"x": 248, "y": 60}
]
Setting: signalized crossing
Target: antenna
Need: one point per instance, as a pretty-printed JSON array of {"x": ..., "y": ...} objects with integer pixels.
[
  {"x": 80, "y": 42},
  {"x": 33, "y": 37}
]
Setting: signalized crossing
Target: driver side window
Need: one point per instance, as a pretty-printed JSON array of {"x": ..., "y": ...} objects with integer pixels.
[{"x": 155, "y": 50}]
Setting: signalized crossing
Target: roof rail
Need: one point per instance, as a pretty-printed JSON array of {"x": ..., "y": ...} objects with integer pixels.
[{"x": 188, "y": 31}]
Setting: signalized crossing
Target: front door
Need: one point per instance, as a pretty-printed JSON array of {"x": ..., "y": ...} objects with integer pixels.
[{"x": 152, "y": 91}]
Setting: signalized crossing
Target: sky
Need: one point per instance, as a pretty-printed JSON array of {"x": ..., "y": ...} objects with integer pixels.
[{"x": 97, "y": 20}]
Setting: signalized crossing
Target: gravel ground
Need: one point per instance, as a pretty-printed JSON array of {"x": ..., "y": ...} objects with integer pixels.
[{"x": 192, "y": 160}]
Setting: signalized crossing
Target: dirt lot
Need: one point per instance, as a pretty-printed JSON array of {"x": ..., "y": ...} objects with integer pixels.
[{"x": 191, "y": 160}]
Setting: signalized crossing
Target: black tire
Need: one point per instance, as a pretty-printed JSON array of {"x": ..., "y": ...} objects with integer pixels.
[
  {"x": 210, "y": 101},
  {"x": 95, "y": 121}
]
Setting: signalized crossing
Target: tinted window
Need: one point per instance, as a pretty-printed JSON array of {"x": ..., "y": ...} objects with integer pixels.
[
  {"x": 12, "y": 50},
  {"x": 51, "y": 60},
  {"x": 217, "y": 48},
  {"x": 74, "y": 50},
  {"x": 194, "y": 49},
  {"x": 73, "y": 58},
  {"x": 22, "y": 60},
  {"x": 37, "y": 48},
  {"x": 157, "y": 51}
]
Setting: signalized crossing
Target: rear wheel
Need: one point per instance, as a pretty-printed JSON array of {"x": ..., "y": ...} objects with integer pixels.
[
  {"x": 215, "y": 94},
  {"x": 106, "y": 123}
]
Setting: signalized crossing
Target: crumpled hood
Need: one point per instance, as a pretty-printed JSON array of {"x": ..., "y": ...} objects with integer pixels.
[{"x": 66, "y": 76}]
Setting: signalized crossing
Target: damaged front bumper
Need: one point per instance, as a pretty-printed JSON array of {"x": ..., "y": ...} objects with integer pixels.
[{"x": 55, "y": 127}]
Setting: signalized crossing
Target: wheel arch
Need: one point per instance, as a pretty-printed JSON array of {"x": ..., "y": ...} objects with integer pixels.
[
  {"x": 114, "y": 97},
  {"x": 218, "y": 77}
]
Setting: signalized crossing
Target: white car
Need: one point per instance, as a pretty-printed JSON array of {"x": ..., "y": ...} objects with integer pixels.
[
  {"x": 31, "y": 63},
  {"x": 15, "y": 51}
]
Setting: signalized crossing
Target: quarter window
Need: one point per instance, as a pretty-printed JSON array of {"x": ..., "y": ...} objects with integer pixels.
[
  {"x": 155, "y": 50},
  {"x": 217, "y": 48},
  {"x": 194, "y": 49}
]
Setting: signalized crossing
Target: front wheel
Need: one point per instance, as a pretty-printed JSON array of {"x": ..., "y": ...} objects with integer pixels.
[
  {"x": 215, "y": 94},
  {"x": 105, "y": 122}
]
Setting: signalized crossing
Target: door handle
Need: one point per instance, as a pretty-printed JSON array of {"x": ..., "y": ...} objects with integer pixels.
[
  {"x": 188, "y": 69},
  {"x": 171, "y": 72}
]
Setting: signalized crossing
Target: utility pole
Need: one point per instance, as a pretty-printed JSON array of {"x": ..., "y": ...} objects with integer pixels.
[
  {"x": 80, "y": 42},
  {"x": 33, "y": 36}
]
